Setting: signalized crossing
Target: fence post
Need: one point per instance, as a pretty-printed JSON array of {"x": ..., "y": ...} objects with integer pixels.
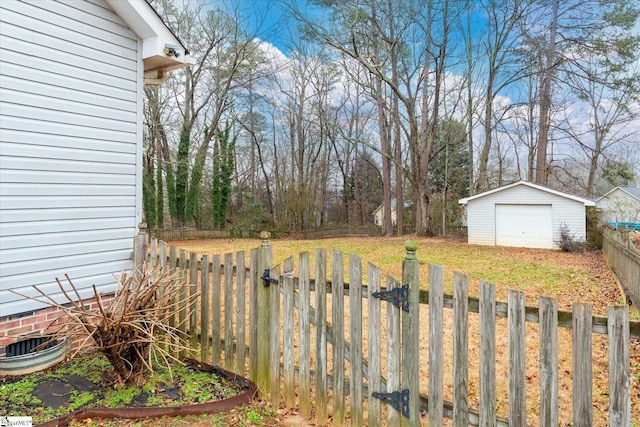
[
  {"x": 304, "y": 350},
  {"x": 411, "y": 335},
  {"x": 182, "y": 313},
  {"x": 253, "y": 314},
  {"x": 487, "y": 315},
  {"x": 517, "y": 366},
  {"x": 619, "y": 367},
  {"x": 460, "y": 350},
  {"x": 436, "y": 384},
  {"x": 338, "y": 320},
  {"x": 140, "y": 245},
  {"x": 264, "y": 315},
  {"x": 204, "y": 310},
  {"x": 356, "y": 389},
  {"x": 288, "y": 314},
  {"x": 582, "y": 366},
  {"x": 216, "y": 293},
  {"x": 241, "y": 345},
  {"x": 228, "y": 311},
  {"x": 193, "y": 308},
  {"x": 321, "y": 337},
  {"x": 548, "y": 309}
]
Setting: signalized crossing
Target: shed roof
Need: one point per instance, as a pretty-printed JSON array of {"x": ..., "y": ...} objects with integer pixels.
[
  {"x": 587, "y": 202},
  {"x": 161, "y": 49},
  {"x": 632, "y": 191}
]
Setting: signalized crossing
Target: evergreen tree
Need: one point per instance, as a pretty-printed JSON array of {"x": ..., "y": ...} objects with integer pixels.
[
  {"x": 182, "y": 175},
  {"x": 223, "y": 165}
]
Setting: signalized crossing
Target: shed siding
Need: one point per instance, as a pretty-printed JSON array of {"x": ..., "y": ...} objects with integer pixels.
[
  {"x": 70, "y": 104},
  {"x": 481, "y": 213}
]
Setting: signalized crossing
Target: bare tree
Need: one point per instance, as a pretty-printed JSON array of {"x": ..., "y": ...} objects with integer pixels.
[
  {"x": 613, "y": 110},
  {"x": 504, "y": 22},
  {"x": 572, "y": 31},
  {"x": 204, "y": 93},
  {"x": 364, "y": 35}
]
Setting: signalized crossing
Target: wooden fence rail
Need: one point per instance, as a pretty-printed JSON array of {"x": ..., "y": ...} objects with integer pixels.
[{"x": 282, "y": 342}]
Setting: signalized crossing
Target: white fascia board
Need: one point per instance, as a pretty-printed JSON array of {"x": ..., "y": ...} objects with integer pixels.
[
  {"x": 155, "y": 35},
  {"x": 606, "y": 195},
  {"x": 630, "y": 194},
  {"x": 587, "y": 202}
]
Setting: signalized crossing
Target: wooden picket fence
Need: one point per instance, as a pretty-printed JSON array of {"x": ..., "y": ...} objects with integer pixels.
[
  {"x": 312, "y": 344},
  {"x": 624, "y": 260}
]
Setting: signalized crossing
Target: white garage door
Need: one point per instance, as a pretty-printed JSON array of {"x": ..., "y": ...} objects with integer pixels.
[{"x": 528, "y": 226}]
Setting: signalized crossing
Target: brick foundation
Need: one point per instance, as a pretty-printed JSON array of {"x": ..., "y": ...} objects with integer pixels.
[{"x": 35, "y": 323}]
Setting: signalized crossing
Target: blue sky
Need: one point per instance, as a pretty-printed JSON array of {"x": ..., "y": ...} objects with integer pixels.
[{"x": 267, "y": 18}]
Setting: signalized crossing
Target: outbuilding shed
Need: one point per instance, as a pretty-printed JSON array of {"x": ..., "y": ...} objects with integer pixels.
[{"x": 524, "y": 214}]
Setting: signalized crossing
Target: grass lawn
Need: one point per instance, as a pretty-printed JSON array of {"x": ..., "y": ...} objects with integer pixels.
[{"x": 568, "y": 277}]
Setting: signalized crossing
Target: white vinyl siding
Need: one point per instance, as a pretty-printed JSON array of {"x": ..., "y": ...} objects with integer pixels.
[
  {"x": 619, "y": 206},
  {"x": 481, "y": 216},
  {"x": 70, "y": 109}
]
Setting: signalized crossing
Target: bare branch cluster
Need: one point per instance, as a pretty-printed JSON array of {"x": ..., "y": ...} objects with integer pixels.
[{"x": 135, "y": 330}]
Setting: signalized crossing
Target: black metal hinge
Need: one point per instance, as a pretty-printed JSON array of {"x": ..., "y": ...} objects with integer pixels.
[
  {"x": 396, "y": 296},
  {"x": 399, "y": 400},
  {"x": 267, "y": 279}
]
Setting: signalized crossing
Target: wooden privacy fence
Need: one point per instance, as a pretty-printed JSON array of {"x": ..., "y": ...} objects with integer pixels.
[
  {"x": 624, "y": 260},
  {"x": 315, "y": 345}
]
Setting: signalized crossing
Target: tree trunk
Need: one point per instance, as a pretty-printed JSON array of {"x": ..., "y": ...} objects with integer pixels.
[
  {"x": 545, "y": 101},
  {"x": 482, "y": 183},
  {"x": 399, "y": 196},
  {"x": 385, "y": 144},
  {"x": 386, "y": 164},
  {"x": 469, "y": 51},
  {"x": 593, "y": 164}
]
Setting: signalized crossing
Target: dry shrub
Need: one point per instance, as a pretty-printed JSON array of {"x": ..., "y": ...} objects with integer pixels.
[
  {"x": 568, "y": 242},
  {"x": 136, "y": 330}
]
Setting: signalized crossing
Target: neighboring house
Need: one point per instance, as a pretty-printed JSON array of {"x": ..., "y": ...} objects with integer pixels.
[
  {"x": 524, "y": 214},
  {"x": 620, "y": 206},
  {"x": 378, "y": 214},
  {"x": 71, "y": 125}
]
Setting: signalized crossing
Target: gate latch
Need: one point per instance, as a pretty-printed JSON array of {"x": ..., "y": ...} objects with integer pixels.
[
  {"x": 399, "y": 400},
  {"x": 267, "y": 279},
  {"x": 396, "y": 296}
]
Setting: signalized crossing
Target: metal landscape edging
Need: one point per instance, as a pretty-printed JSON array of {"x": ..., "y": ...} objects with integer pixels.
[{"x": 223, "y": 405}]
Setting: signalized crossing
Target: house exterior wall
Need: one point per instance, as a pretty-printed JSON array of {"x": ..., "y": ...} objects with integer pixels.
[
  {"x": 619, "y": 206},
  {"x": 482, "y": 221},
  {"x": 71, "y": 132},
  {"x": 378, "y": 216}
]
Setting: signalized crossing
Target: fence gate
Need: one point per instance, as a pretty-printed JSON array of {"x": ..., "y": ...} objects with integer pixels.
[
  {"x": 403, "y": 335},
  {"x": 301, "y": 332}
]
